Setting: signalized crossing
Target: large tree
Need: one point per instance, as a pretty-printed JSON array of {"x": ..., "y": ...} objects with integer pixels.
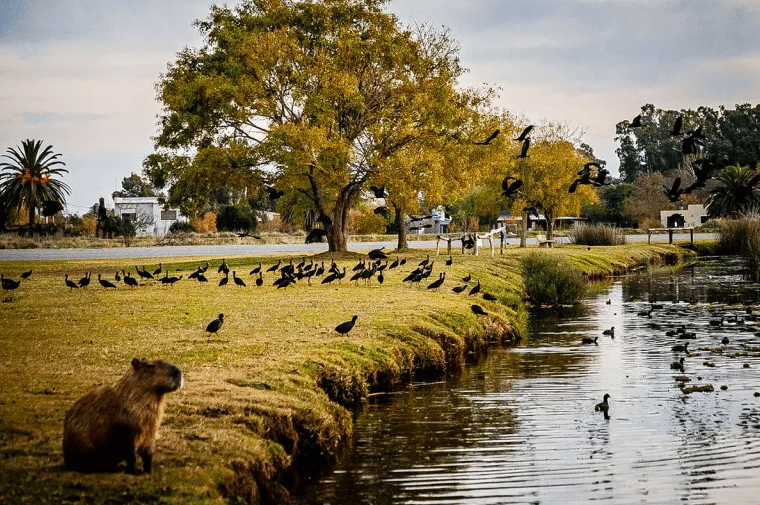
[
  {"x": 737, "y": 194},
  {"x": 29, "y": 179},
  {"x": 318, "y": 94}
]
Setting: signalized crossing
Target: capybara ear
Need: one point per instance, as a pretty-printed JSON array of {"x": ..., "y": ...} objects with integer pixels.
[{"x": 135, "y": 363}]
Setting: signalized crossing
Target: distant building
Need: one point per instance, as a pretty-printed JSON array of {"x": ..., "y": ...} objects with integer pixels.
[
  {"x": 538, "y": 222},
  {"x": 437, "y": 222},
  {"x": 147, "y": 214},
  {"x": 694, "y": 215}
]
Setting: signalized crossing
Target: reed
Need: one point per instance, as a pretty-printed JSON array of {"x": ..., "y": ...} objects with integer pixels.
[{"x": 597, "y": 234}]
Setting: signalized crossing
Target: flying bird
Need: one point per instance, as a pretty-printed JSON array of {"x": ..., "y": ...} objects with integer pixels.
[
  {"x": 509, "y": 189},
  {"x": 488, "y": 140},
  {"x": 379, "y": 192},
  {"x": 677, "y": 126},
  {"x": 524, "y": 134},
  {"x": 273, "y": 193},
  {"x": 524, "y": 151},
  {"x": 636, "y": 123},
  {"x": 674, "y": 193},
  {"x": 315, "y": 235},
  {"x": 382, "y": 211}
]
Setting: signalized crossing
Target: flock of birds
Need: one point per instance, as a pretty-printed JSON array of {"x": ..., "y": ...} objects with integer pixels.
[{"x": 375, "y": 265}]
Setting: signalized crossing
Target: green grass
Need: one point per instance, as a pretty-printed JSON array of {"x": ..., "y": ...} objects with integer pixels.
[{"x": 255, "y": 396}]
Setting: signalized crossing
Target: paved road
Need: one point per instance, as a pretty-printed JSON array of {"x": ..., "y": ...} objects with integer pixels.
[{"x": 254, "y": 250}]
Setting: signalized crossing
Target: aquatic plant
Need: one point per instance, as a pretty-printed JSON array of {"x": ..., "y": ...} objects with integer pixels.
[
  {"x": 597, "y": 234},
  {"x": 548, "y": 281}
]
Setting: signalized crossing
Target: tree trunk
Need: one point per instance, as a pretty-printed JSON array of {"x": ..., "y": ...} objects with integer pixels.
[
  {"x": 524, "y": 230},
  {"x": 549, "y": 215},
  {"x": 31, "y": 219},
  {"x": 401, "y": 226}
]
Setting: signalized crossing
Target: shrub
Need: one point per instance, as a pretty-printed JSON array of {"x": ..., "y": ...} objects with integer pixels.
[
  {"x": 205, "y": 224},
  {"x": 181, "y": 227},
  {"x": 742, "y": 236},
  {"x": 238, "y": 217},
  {"x": 549, "y": 282},
  {"x": 597, "y": 234}
]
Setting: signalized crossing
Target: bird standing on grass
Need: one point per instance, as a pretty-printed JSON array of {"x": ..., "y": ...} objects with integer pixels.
[
  {"x": 476, "y": 289},
  {"x": 105, "y": 283},
  {"x": 344, "y": 328},
  {"x": 26, "y": 274},
  {"x": 215, "y": 325},
  {"x": 70, "y": 284},
  {"x": 603, "y": 407},
  {"x": 478, "y": 310}
]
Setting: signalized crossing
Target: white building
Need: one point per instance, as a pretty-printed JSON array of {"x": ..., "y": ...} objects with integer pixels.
[
  {"x": 437, "y": 222},
  {"x": 694, "y": 215},
  {"x": 147, "y": 214}
]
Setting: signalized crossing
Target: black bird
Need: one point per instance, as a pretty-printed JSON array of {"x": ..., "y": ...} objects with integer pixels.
[
  {"x": 610, "y": 332},
  {"x": 171, "y": 280},
  {"x": 379, "y": 192},
  {"x": 509, "y": 189},
  {"x": 603, "y": 407},
  {"x": 224, "y": 280},
  {"x": 459, "y": 289},
  {"x": 636, "y": 123},
  {"x": 85, "y": 281},
  {"x": 9, "y": 284},
  {"x": 691, "y": 145},
  {"x": 681, "y": 348},
  {"x": 71, "y": 284},
  {"x": 674, "y": 193},
  {"x": 377, "y": 254},
  {"x": 157, "y": 271},
  {"x": 475, "y": 289},
  {"x": 325, "y": 220},
  {"x": 678, "y": 365},
  {"x": 394, "y": 264},
  {"x": 203, "y": 268},
  {"x": 223, "y": 267},
  {"x": 274, "y": 267},
  {"x": 488, "y": 140},
  {"x": 724, "y": 341},
  {"x": 450, "y": 261},
  {"x": 468, "y": 278},
  {"x": 524, "y": 150},
  {"x": 382, "y": 211},
  {"x": 677, "y": 126},
  {"x": 201, "y": 278},
  {"x": 238, "y": 280},
  {"x": 524, "y": 134},
  {"x": 601, "y": 175},
  {"x": 587, "y": 340},
  {"x": 129, "y": 280},
  {"x": 117, "y": 276},
  {"x": 489, "y": 297},
  {"x": 437, "y": 283},
  {"x": 425, "y": 261},
  {"x": 478, "y": 310},
  {"x": 105, "y": 283},
  {"x": 315, "y": 235},
  {"x": 380, "y": 277},
  {"x": 259, "y": 280},
  {"x": 344, "y": 328},
  {"x": 26, "y": 274},
  {"x": 256, "y": 270},
  {"x": 273, "y": 193},
  {"x": 215, "y": 325},
  {"x": 403, "y": 261}
]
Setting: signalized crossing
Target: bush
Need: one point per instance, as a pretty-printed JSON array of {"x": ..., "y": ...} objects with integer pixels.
[
  {"x": 205, "y": 224},
  {"x": 238, "y": 217},
  {"x": 181, "y": 227},
  {"x": 597, "y": 234},
  {"x": 742, "y": 236},
  {"x": 549, "y": 282}
]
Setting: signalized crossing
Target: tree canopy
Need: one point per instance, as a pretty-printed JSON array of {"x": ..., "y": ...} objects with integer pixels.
[{"x": 316, "y": 98}]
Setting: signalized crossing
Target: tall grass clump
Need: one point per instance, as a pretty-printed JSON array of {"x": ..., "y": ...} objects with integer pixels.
[
  {"x": 548, "y": 281},
  {"x": 742, "y": 236},
  {"x": 597, "y": 234}
]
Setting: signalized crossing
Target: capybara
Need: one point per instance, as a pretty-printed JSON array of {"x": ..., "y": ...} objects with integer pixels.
[{"x": 111, "y": 424}]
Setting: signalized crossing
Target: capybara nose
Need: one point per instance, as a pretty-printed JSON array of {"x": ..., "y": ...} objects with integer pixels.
[{"x": 176, "y": 373}]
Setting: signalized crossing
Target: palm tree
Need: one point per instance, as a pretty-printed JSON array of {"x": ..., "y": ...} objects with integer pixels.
[
  {"x": 27, "y": 181},
  {"x": 737, "y": 195}
]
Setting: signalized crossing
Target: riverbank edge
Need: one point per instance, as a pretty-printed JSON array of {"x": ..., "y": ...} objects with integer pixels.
[{"x": 272, "y": 481}]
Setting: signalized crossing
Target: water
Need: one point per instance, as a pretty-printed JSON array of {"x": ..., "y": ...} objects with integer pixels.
[{"x": 520, "y": 426}]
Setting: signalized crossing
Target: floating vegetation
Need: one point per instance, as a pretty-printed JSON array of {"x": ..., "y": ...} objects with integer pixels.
[
  {"x": 708, "y": 363},
  {"x": 714, "y": 350},
  {"x": 682, "y": 379},
  {"x": 707, "y": 388}
]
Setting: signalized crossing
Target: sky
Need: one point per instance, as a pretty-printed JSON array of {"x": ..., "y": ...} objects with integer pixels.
[{"x": 80, "y": 75}]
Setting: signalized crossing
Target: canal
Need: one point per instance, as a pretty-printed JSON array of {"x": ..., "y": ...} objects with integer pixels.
[{"x": 519, "y": 426}]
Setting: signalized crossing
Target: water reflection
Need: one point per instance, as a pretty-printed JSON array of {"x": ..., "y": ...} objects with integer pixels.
[{"x": 520, "y": 428}]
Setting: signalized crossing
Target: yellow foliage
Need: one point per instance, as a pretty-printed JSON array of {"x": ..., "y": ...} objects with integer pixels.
[
  {"x": 86, "y": 225},
  {"x": 205, "y": 224}
]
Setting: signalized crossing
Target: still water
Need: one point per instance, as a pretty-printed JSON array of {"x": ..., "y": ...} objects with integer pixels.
[{"x": 520, "y": 426}]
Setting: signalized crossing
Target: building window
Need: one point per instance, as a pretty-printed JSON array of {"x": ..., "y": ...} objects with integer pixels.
[
  {"x": 129, "y": 216},
  {"x": 168, "y": 215}
]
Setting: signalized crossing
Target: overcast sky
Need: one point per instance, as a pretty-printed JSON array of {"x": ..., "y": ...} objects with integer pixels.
[{"x": 80, "y": 74}]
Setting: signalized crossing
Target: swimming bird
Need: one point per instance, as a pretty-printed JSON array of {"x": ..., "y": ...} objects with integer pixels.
[
  {"x": 478, "y": 310},
  {"x": 610, "y": 332},
  {"x": 489, "y": 139},
  {"x": 677, "y": 365},
  {"x": 524, "y": 134},
  {"x": 604, "y": 406},
  {"x": 215, "y": 325},
  {"x": 717, "y": 322},
  {"x": 681, "y": 348},
  {"x": 724, "y": 341},
  {"x": 344, "y": 328},
  {"x": 106, "y": 283},
  {"x": 587, "y": 340}
]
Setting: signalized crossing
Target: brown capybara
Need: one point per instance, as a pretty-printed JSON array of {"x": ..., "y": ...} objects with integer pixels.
[{"x": 115, "y": 423}]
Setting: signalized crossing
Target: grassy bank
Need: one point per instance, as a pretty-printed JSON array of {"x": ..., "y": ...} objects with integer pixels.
[{"x": 262, "y": 398}]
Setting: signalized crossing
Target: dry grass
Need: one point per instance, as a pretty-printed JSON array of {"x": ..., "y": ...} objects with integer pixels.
[{"x": 257, "y": 397}]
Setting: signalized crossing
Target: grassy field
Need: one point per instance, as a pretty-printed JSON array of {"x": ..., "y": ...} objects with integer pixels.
[{"x": 261, "y": 399}]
